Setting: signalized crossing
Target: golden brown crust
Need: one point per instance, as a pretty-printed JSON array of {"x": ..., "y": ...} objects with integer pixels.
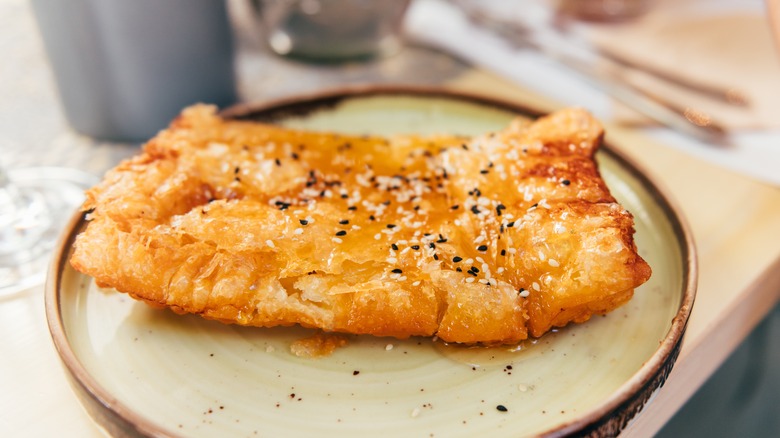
[{"x": 487, "y": 239}]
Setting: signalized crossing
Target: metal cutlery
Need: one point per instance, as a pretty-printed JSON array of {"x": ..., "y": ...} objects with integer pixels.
[{"x": 606, "y": 73}]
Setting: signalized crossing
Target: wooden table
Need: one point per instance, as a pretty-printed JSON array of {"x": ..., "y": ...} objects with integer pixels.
[{"x": 735, "y": 221}]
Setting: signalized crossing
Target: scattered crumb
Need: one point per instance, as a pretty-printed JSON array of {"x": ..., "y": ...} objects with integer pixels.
[{"x": 318, "y": 345}]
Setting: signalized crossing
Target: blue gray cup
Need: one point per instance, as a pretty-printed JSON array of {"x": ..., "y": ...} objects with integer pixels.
[{"x": 125, "y": 68}]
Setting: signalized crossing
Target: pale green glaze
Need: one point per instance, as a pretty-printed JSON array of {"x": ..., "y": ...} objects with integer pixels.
[{"x": 200, "y": 378}]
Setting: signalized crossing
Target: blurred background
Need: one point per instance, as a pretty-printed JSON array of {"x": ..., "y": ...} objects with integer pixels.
[{"x": 82, "y": 83}]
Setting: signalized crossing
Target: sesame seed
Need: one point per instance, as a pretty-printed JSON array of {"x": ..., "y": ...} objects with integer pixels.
[
  {"x": 523, "y": 293},
  {"x": 336, "y": 240},
  {"x": 377, "y": 236},
  {"x": 388, "y": 347},
  {"x": 470, "y": 280},
  {"x": 298, "y": 231},
  {"x": 554, "y": 263},
  {"x": 392, "y": 260},
  {"x": 480, "y": 238},
  {"x": 484, "y": 281},
  {"x": 535, "y": 286},
  {"x": 511, "y": 250},
  {"x": 270, "y": 243},
  {"x": 416, "y": 283}
]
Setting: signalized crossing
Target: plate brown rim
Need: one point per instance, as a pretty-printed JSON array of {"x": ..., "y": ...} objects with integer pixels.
[{"x": 608, "y": 419}]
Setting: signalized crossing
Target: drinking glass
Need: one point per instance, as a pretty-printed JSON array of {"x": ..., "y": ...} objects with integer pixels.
[{"x": 35, "y": 204}]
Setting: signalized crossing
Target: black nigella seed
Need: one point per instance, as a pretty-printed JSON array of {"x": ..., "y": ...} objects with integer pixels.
[
  {"x": 455, "y": 207},
  {"x": 503, "y": 252},
  {"x": 397, "y": 271},
  {"x": 344, "y": 221},
  {"x": 341, "y": 233},
  {"x": 356, "y": 372},
  {"x": 482, "y": 248},
  {"x": 415, "y": 247},
  {"x": 436, "y": 257},
  {"x": 303, "y": 222},
  {"x": 475, "y": 210},
  {"x": 510, "y": 225},
  {"x": 457, "y": 259},
  {"x": 352, "y": 208},
  {"x": 566, "y": 182},
  {"x": 502, "y": 408},
  {"x": 391, "y": 226},
  {"x": 394, "y": 246}
]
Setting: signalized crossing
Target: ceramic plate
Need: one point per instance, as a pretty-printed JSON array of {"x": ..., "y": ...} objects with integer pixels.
[{"x": 141, "y": 371}]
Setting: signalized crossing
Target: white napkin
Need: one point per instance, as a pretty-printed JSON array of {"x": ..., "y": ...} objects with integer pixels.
[{"x": 442, "y": 25}]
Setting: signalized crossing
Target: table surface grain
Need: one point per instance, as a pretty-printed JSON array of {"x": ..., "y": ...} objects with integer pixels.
[{"x": 735, "y": 220}]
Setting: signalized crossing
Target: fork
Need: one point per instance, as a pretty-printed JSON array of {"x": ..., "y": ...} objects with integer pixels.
[{"x": 606, "y": 75}]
